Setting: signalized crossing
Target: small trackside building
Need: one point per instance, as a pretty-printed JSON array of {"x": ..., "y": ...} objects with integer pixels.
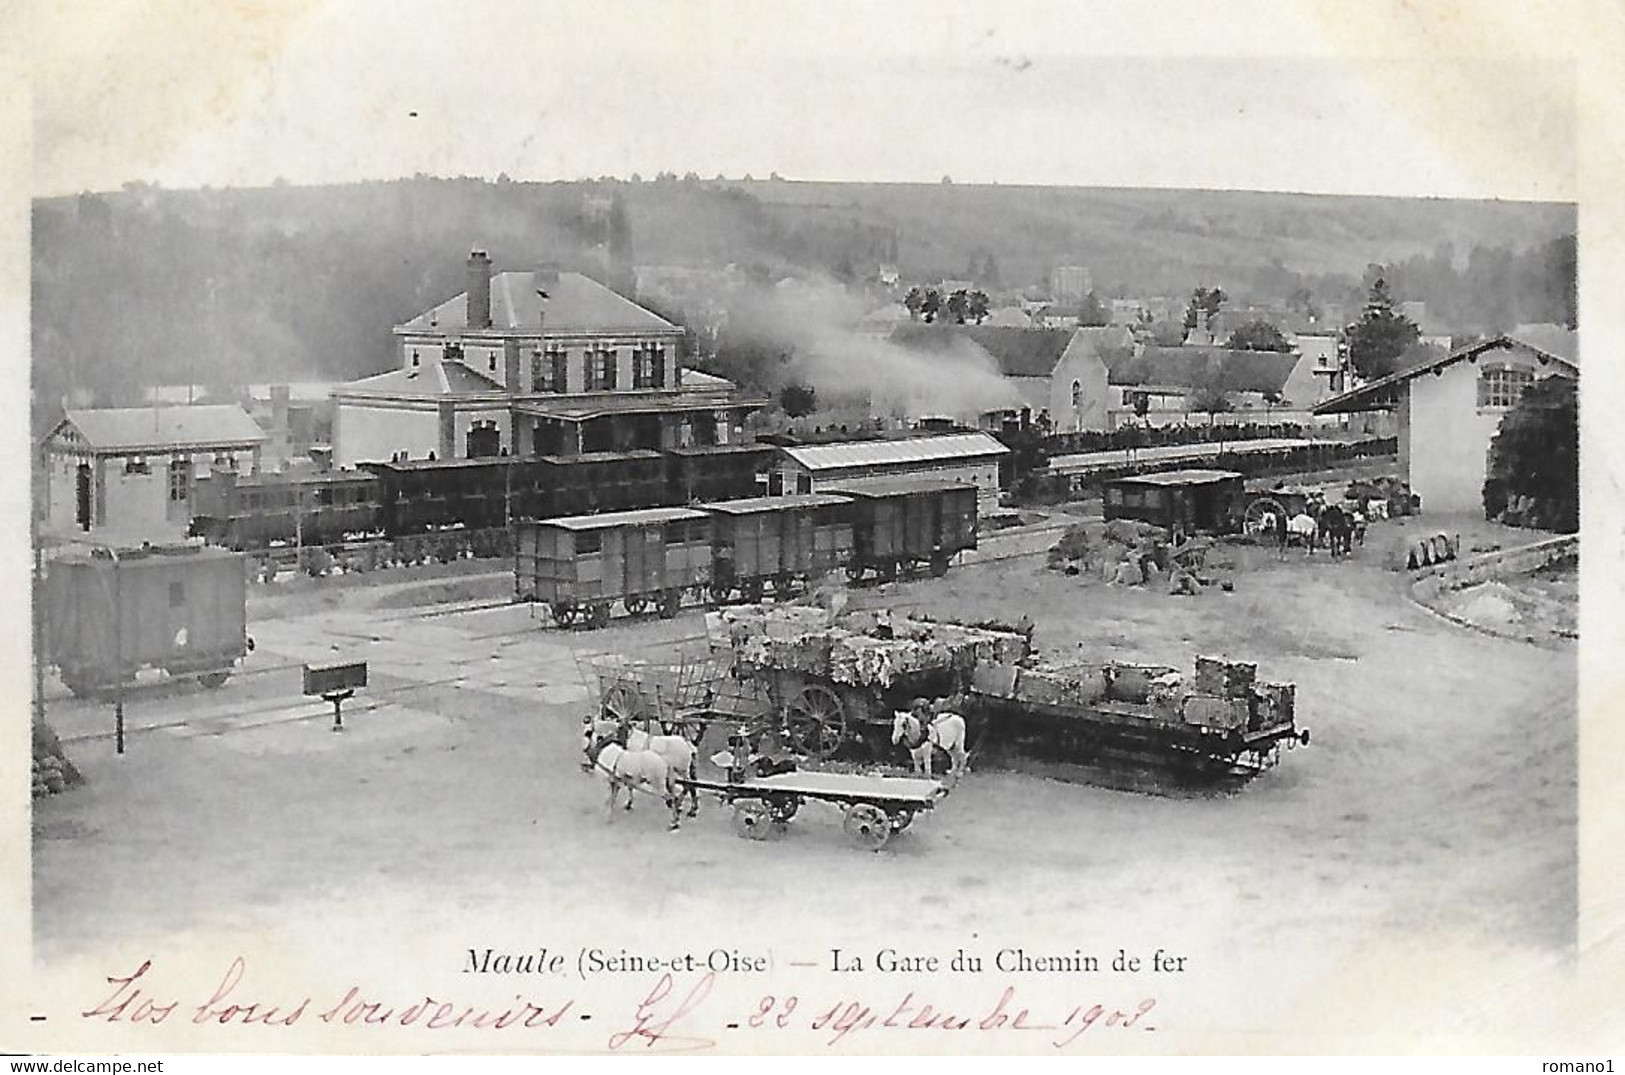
[
  {"x": 1449, "y": 409},
  {"x": 970, "y": 458},
  {"x": 128, "y": 473}
]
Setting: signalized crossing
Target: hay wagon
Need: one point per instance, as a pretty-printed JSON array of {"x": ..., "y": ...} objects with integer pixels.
[
  {"x": 835, "y": 681},
  {"x": 684, "y": 696}
]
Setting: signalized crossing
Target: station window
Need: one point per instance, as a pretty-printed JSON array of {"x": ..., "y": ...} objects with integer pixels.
[
  {"x": 589, "y": 541},
  {"x": 180, "y": 480}
]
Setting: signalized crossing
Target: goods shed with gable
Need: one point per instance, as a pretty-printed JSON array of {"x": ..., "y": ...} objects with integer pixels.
[{"x": 971, "y": 458}]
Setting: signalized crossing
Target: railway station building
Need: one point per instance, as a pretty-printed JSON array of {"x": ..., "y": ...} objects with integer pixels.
[
  {"x": 127, "y": 474},
  {"x": 1449, "y": 409},
  {"x": 536, "y": 362}
]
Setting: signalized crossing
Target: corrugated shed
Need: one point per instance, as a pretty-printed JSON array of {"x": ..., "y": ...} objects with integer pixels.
[{"x": 884, "y": 453}]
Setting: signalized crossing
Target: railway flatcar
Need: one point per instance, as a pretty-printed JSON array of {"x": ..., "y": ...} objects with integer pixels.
[
  {"x": 718, "y": 472},
  {"x": 582, "y": 565},
  {"x": 263, "y": 509},
  {"x": 776, "y": 540},
  {"x": 110, "y": 613},
  {"x": 903, "y": 523}
]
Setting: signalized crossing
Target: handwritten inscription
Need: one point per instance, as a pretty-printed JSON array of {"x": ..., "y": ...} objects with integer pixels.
[{"x": 675, "y": 1013}]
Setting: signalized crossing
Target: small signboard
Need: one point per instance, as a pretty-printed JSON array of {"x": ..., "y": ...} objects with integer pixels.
[{"x": 325, "y": 679}]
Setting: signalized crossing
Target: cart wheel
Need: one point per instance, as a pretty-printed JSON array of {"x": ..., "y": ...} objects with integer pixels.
[
  {"x": 751, "y": 590},
  {"x": 867, "y": 826},
  {"x": 783, "y": 807},
  {"x": 622, "y": 704},
  {"x": 214, "y": 680},
  {"x": 564, "y": 613},
  {"x": 752, "y": 819},
  {"x": 636, "y": 605},
  {"x": 939, "y": 566},
  {"x": 855, "y": 570},
  {"x": 598, "y": 615},
  {"x": 815, "y": 721},
  {"x": 1252, "y": 520},
  {"x": 668, "y": 603},
  {"x": 900, "y": 820}
]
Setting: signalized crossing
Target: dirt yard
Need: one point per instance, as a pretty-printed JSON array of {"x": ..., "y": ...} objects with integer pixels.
[{"x": 1431, "y": 821}]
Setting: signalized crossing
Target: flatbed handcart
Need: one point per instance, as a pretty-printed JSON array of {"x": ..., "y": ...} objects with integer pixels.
[{"x": 874, "y": 807}]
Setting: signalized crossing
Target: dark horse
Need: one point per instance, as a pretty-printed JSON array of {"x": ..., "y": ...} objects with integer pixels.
[{"x": 1336, "y": 529}]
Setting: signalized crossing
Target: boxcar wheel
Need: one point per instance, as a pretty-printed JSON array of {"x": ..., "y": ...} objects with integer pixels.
[
  {"x": 854, "y": 571},
  {"x": 214, "y": 680},
  {"x": 636, "y": 605},
  {"x": 867, "y": 826},
  {"x": 751, "y": 591},
  {"x": 719, "y": 593}
]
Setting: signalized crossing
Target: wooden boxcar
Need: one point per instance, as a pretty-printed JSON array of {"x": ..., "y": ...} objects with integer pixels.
[
  {"x": 253, "y": 512},
  {"x": 428, "y": 494},
  {"x": 595, "y": 481},
  {"x": 581, "y": 565},
  {"x": 776, "y": 539},
  {"x": 109, "y": 614},
  {"x": 718, "y": 472},
  {"x": 1192, "y": 501},
  {"x": 902, "y": 523}
]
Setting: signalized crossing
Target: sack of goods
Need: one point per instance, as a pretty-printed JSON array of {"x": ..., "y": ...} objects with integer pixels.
[
  {"x": 1225, "y": 679},
  {"x": 1165, "y": 695},
  {"x": 1132, "y": 682},
  {"x": 1206, "y": 711}
]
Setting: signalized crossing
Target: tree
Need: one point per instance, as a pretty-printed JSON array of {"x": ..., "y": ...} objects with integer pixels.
[
  {"x": 1092, "y": 312},
  {"x": 1258, "y": 336},
  {"x": 931, "y": 304},
  {"x": 798, "y": 400},
  {"x": 1380, "y": 337},
  {"x": 1536, "y": 454},
  {"x": 915, "y": 302},
  {"x": 957, "y": 306},
  {"x": 976, "y": 306},
  {"x": 1209, "y": 394}
]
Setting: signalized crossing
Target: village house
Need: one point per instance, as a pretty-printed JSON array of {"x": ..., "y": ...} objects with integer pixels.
[
  {"x": 128, "y": 473},
  {"x": 1448, "y": 409},
  {"x": 539, "y": 362},
  {"x": 971, "y": 458}
]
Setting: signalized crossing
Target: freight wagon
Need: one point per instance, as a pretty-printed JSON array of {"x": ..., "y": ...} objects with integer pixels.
[
  {"x": 581, "y": 566},
  {"x": 898, "y": 525},
  {"x": 108, "y": 614},
  {"x": 397, "y": 499},
  {"x": 777, "y": 540}
]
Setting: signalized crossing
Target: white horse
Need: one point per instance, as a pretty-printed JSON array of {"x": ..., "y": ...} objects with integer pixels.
[
  {"x": 921, "y": 738},
  {"x": 1302, "y": 526},
  {"x": 679, "y": 753},
  {"x": 633, "y": 770}
]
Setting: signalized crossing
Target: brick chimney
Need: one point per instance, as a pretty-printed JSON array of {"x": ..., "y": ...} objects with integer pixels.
[{"x": 479, "y": 290}]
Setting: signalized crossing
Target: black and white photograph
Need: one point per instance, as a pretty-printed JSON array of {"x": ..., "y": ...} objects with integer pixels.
[{"x": 851, "y": 529}]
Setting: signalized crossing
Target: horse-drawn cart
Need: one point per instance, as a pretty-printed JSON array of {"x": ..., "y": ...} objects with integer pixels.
[
  {"x": 874, "y": 808},
  {"x": 683, "y": 697},
  {"x": 837, "y": 680}
]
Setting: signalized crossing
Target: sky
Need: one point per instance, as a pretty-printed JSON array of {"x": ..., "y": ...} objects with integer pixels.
[{"x": 1259, "y": 96}]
